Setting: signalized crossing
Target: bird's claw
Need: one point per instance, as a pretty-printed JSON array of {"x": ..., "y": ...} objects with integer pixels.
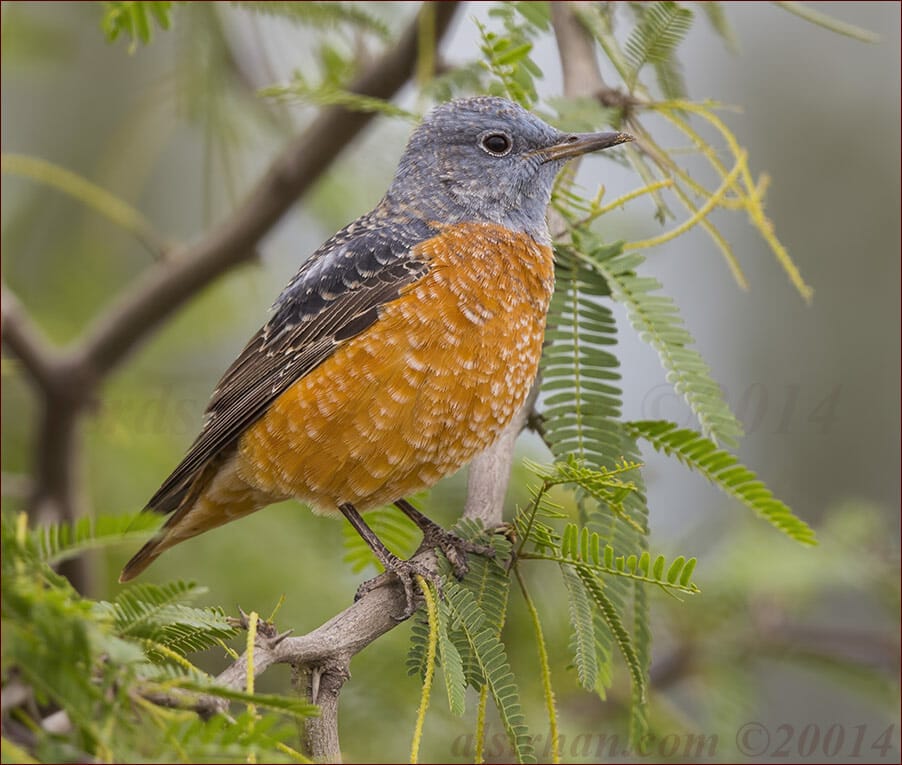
[
  {"x": 454, "y": 548},
  {"x": 406, "y": 571}
]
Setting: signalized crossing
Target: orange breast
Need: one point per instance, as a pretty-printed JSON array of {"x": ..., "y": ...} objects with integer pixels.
[{"x": 423, "y": 390}]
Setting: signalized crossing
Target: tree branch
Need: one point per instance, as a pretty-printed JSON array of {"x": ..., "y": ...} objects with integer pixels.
[
  {"x": 27, "y": 343},
  {"x": 320, "y": 661},
  {"x": 576, "y": 49},
  {"x": 169, "y": 285}
]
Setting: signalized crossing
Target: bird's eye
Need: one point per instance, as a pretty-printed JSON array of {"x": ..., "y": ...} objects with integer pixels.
[{"x": 497, "y": 144}]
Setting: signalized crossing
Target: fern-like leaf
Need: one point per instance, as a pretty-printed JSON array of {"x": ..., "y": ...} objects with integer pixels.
[
  {"x": 581, "y": 401},
  {"x": 488, "y": 581},
  {"x": 320, "y": 15},
  {"x": 194, "y": 629},
  {"x": 724, "y": 470},
  {"x": 56, "y": 542},
  {"x": 452, "y": 665},
  {"x": 582, "y": 548},
  {"x": 489, "y": 584},
  {"x": 143, "y": 607},
  {"x": 494, "y": 667},
  {"x": 642, "y": 641},
  {"x": 611, "y": 616},
  {"x": 658, "y": 322},
  {"x": 416, "y": 651},
  {"x": 659, "y": 30},
  {"x": 487, "y": 578},
  {"x": 717, "y": 18},
  {"x": 581, "y": 418},
  {"x": 583, "y": 641},
  {"x": 165, "y": 626}
]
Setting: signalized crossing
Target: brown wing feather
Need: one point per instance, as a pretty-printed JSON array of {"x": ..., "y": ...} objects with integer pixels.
[{"x": 335, "y": 296}]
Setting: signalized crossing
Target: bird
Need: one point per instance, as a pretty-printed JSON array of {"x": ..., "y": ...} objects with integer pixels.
[{"x": 401, "y": 348}]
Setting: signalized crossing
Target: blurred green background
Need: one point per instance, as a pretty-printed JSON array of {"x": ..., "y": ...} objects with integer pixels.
[{"x": 780, "y": 634}]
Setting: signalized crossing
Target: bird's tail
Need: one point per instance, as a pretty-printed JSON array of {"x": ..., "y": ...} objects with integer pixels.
[
  {"x": 143, "y": 558},
  {"x": 216, "y": 497}
]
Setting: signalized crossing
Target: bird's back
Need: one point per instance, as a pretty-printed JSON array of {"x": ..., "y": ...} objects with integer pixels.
[{"x": 429, "y": 385}]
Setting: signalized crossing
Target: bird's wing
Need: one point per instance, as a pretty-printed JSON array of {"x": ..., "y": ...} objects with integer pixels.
[{"x": 336, "y": 295}]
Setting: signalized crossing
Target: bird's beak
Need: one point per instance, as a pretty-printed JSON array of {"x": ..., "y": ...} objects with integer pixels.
[{"x": 576, "y": 144}]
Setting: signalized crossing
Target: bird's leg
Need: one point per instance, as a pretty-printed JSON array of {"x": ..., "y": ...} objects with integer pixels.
[
  {"x": 405, "y": 570},
  {"x": 452, "y": 546}
]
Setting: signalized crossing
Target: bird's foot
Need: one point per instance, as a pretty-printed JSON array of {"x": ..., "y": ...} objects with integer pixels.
[
  {"x": 406, "y": 571},
  {"x": 454, "y": 548}
]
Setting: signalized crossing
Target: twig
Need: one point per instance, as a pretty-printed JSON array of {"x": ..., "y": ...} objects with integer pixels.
[
  {"x": 27, "y": 343},
  {"x": 579, "y": 66}
]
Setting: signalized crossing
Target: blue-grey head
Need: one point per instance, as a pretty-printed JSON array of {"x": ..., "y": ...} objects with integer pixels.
[{"x": 487, "y": 159}]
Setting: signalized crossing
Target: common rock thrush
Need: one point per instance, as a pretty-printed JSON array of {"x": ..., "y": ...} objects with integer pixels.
[{"x": 402, "y": 347}]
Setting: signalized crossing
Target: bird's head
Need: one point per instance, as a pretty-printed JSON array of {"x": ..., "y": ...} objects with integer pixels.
[{"x": 488, "y": 159}]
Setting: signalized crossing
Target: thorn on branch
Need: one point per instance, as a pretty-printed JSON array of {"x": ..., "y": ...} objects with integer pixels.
[{"x": 265, "y": 629}]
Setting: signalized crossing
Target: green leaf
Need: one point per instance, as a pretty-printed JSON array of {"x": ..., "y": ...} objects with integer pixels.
[
  {"x": 487, "y": 578},
  {"x": 724, "y": 470},
  {"x": 686, "y": 576},
  {"x": 717, "y": 18},
  {"x": 494, "y": 667},
  {"x": 582, "y": 642},
  {"x": 131, "y": 20},
  {"x": 828, "y": 22},
  {"x": 535, "y": 12},
  {"x": 629, "y": 567},
  {"x": 319, "y": 15},
  {"x": 609, "y": 612},
  {"x": 419, "y": 639},
  {"x": 658, "y": 322},
  {"x": 638, "y": 725},
  {"x": 675, "y": 569},
  {"x": 578, "y": 372},
  {"x": 581, "y": 418},
  {"x": 57, "y": 542},
  {"x": 659, "y": 30},
  {"x": 506, "y": 52},
  {"x": 159, "y": 617},
  {"x": 452, "y": 665}
]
